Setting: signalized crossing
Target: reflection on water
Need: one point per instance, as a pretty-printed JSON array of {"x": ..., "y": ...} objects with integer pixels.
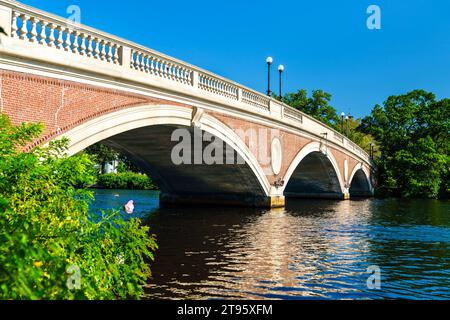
[{"x": 311, "y": 249}]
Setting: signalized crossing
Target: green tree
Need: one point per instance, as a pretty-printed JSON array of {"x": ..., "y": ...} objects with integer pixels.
[
  {"x": 102, "y": 154},
  {"x": 413, "y": 134},
  {"x": 47, "y": 232},
  {"x": 317, "y": 106}
]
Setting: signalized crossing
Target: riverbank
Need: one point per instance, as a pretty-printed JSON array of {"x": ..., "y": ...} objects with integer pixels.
[{"x": 125, "y": 181}]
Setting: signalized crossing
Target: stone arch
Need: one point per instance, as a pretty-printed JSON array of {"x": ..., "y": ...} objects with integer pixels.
[
  {"x": 360, "y": 185},
  {"x": 314, "y": 172},
  {"x": 113, "y": 127}
]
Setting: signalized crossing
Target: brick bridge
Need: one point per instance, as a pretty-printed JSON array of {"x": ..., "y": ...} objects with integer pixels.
[{"x": 90, "y": 86}]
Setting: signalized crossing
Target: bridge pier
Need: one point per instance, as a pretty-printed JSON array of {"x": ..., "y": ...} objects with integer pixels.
[
  {"x": 223, "y": 199},
  {"x": 318, "y": 195}
]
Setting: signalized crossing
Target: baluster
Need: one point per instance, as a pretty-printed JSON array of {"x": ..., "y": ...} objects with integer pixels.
[
  {"x": 147, "y": 63},
  {"x": 89, "y": 46},
  {"x": 136, "y": 61},
  {"x": 116, "y": 54},
  {"x": 175, "y": 72},
  {"x": 83, "y": 44},
  {"x": 43, "y": 35},
  {"x": 169, "y": 71},
  {"x": 152, "y": 68},
  {"x": 158, "y": 63},
  {"x": 141, "y": 62},
  {"x": 33, "y": 32},
  {"x": 178, "y": 74},
  {"x": 23, "y": 30},
  {"x": 59, "y": 40},
  {"x": 68, "y": 42},
  {"x": 75, "y": 44},
  {"x": 96, "y": 49},
  {"x": 132, "y": 59},
  {"x": 14, "y": 27},
  {"x": 135, "y": 58},
  {"x": 109, "y": 53},
  {"x": 183, "y": 76},
  {"x": 161, "y": 70},
  {"x": 103, "y": 51},
  {"x": 51, "y": 35},
  {"x": 166, "y": 70}
]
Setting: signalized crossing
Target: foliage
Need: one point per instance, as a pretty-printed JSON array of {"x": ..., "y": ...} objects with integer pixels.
[
  {"x": 316, "y": 106},
  {"x": 126, "y": 180},
  {"x": 103, "y": 154},
  {"x": 364, "y": 140},
  {"x": 45, "y": 227},
  {"x": 413, "y": 133}
]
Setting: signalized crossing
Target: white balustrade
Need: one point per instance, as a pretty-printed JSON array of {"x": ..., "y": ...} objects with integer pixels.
[
  {"x": 155, "y": 65},
  {"x": 217, "y": 86},
  {"x": 293, "y": 114},
  {"x": 255, "y": 99},
  {"x": 338, "y": 137},
  {"x": 42, "y": 30}
]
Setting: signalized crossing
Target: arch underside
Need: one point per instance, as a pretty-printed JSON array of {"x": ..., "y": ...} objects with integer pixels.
[
  {"x": 151, "y": 147},
  {"x": 360, "y": 186},
  {"x": 314, "y": 177}
]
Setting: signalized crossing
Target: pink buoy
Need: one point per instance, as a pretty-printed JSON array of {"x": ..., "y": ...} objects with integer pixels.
[{"x": 129, "y": 207}]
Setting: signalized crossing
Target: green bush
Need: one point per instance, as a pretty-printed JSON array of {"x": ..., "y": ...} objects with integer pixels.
[
  {"x": 47, "y": 236},
  {"x": 126, "y": 180}
]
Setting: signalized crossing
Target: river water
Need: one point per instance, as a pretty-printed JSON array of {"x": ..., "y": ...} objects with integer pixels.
[{"x": 312, "y": 249}]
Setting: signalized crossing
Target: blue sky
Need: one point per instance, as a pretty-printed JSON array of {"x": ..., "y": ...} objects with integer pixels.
[{"x": 323, "y": 44}]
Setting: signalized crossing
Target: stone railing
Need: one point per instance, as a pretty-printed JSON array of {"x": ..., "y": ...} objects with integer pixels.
[
  {"x": 46, "y": 30},
  {"x": 217, "y": 86},
  {"x": 158, "y": 66},
  {"x": 338, "y": 137},
  {"x": 255, "y": 99},
  {"x": 293, "y": 114},
  {"x": 42, "y": 36}
]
